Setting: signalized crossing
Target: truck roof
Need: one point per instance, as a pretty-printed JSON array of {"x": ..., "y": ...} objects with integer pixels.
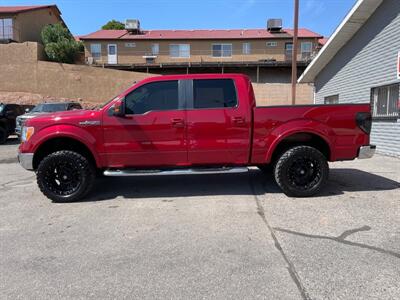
[{"x": 197, "y": 76}]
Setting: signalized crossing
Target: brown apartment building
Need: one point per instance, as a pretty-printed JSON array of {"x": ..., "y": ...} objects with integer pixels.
[
  {"x": 264, "y": 54},
  {"x": 25, "y": 23}
]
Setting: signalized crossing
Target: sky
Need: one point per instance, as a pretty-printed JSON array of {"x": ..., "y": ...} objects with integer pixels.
[{"x": 86, "y": 16}]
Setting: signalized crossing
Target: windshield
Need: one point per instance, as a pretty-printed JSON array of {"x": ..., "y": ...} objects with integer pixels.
[
  {"x": 47, "y": 107},
  {"x": 1, "y": 108},
  {"x": 104, "y": 105}
]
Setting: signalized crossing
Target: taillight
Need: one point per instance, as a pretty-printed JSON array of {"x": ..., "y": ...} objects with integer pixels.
[{"x": 364, "y": 121}]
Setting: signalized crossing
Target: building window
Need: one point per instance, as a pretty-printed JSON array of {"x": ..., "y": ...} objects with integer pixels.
[
  {"x": 6, "y": 29},
  {"x": 155, "y": 49},
  {"x": 222, "y": 50},
  {"x": 288, "y": 51},
  {"x": 272, "y": 44},
  {"x": 306, "y": 50},
  {"x": 246, "y": 48},
  {"x": 334, "y": 99},
  {"x": 385, "y": 102},
  {"x": 95, "y": 50},
  {"x": 179, "y": 50}
]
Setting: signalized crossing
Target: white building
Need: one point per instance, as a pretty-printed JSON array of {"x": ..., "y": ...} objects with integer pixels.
[{"x": 360, "y": 63}]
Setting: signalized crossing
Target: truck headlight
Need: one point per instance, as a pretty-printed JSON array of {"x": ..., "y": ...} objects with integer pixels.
[{"x": 27, "y": 133}]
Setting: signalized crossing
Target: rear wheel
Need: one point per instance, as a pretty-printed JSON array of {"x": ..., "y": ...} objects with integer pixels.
[
  {"x": 65, "y": 176},
  {"x": 301, "y": 171},
  {"x": 3, "y": 135}
]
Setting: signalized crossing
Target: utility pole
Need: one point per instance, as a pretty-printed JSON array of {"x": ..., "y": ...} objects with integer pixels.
[{"x": 294, "y": 50}]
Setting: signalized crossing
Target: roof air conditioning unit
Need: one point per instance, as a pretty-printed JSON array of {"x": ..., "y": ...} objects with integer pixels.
[
  {"x": 132, "y": 25},
  {"x": 274, "y": 25}
]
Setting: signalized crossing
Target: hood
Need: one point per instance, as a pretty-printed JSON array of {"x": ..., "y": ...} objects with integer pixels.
[
  {"x": 70, "y": 113},
  {"x": 31, "y": 115},
  {"x": 71, "y": 117}
]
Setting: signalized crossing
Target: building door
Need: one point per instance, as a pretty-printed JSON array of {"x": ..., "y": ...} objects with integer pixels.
[{"x": 112, "y": 54}]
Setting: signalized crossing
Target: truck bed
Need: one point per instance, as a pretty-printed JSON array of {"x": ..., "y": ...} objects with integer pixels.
[{"x": 335, "y": 123}]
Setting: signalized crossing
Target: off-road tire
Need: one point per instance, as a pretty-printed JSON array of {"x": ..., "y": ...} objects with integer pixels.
[
  {"x": 299, "y": 164},
  {"x": 3, "y": 135},
  {"x": 68, "y": 163}
]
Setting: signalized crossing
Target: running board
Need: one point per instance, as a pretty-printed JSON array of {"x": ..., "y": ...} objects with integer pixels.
[{"x": 192, "y": 171}]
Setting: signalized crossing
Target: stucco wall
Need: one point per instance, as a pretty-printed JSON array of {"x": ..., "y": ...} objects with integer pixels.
[
  {"x": 281, "y": 94},
  {"x": 28, "y": 52},
  {"x": 21, "y": 71},
  {"x": 30, "y": 24}
]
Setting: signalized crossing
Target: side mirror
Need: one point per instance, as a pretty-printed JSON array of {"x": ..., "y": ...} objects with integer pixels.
[
  {"x": 118, "y": 109},
  {"x": 27, "y": 110}
]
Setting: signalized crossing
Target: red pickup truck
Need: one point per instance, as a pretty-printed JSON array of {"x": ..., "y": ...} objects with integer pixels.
[{"x": 192, "y": 124}]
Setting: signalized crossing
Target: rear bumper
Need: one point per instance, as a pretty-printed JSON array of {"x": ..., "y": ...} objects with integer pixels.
[
  {"x": 366, "y": 151},
  {"x": 26, "y": 160}
]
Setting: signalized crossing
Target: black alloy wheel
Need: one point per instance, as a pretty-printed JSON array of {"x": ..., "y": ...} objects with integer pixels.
[
  {"x": 65, "y": 176},
  {"x": 301, "y": 171}
]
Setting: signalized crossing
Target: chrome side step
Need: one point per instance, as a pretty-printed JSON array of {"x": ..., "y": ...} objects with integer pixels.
[{"x": 191, "y": 171}]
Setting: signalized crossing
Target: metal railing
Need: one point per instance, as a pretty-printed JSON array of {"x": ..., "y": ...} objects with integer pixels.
[{"x": 201, "y": 56}]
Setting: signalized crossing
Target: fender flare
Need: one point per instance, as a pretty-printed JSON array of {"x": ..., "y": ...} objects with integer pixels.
[
  {"x": 298, "y": 126},
  {"x": 66, "y": 131}
]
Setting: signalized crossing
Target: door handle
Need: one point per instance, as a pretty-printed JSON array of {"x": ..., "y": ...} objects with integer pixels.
[
  {"x": 238, "y": 121},
  {"x": 177, "y": 122}
]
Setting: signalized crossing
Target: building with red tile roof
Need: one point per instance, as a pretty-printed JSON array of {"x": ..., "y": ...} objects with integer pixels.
[
  {"x": 25, "y": 23},
  {"x": 198, "y": 34},
  {"x": 263, "y": 53}
]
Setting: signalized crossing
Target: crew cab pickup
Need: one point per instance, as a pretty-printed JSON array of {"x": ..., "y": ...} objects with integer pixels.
[{"x": 192, "y": 124}]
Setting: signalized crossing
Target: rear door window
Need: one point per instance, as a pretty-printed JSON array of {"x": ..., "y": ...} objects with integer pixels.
[
  {"x": 155, "y": 96},
  {"x": 214, "y": 93}
]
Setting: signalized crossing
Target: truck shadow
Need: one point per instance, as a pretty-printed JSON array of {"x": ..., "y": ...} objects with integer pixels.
[{"x": 340, "y": 181}]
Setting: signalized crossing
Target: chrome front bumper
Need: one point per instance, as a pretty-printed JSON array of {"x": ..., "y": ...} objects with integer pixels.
[
  {"x": 366, "y": 151},
  {"x": 26, "y": 160}
]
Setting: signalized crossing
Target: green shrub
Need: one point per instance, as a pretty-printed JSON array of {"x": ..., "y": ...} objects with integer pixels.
[
  {"x": 113, "y": 24},
  {"x": 59, "y": 44}
]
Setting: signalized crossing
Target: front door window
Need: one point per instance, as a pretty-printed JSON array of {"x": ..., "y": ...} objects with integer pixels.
[{"x": 156, "y": 96}]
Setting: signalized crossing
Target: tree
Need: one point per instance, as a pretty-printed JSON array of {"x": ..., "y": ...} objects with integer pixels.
[
  {"x": 59, "y": 44},
  {"x": 113, "y": 24}
]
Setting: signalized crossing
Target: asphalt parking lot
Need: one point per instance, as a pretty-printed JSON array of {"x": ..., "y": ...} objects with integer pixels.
[{"x": 196, "y": 237}]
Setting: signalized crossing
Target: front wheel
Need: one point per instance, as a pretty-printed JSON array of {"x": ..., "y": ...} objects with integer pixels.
[
  {"x": 301, "y": 171},
  {"x": 65, "y": 176}
]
